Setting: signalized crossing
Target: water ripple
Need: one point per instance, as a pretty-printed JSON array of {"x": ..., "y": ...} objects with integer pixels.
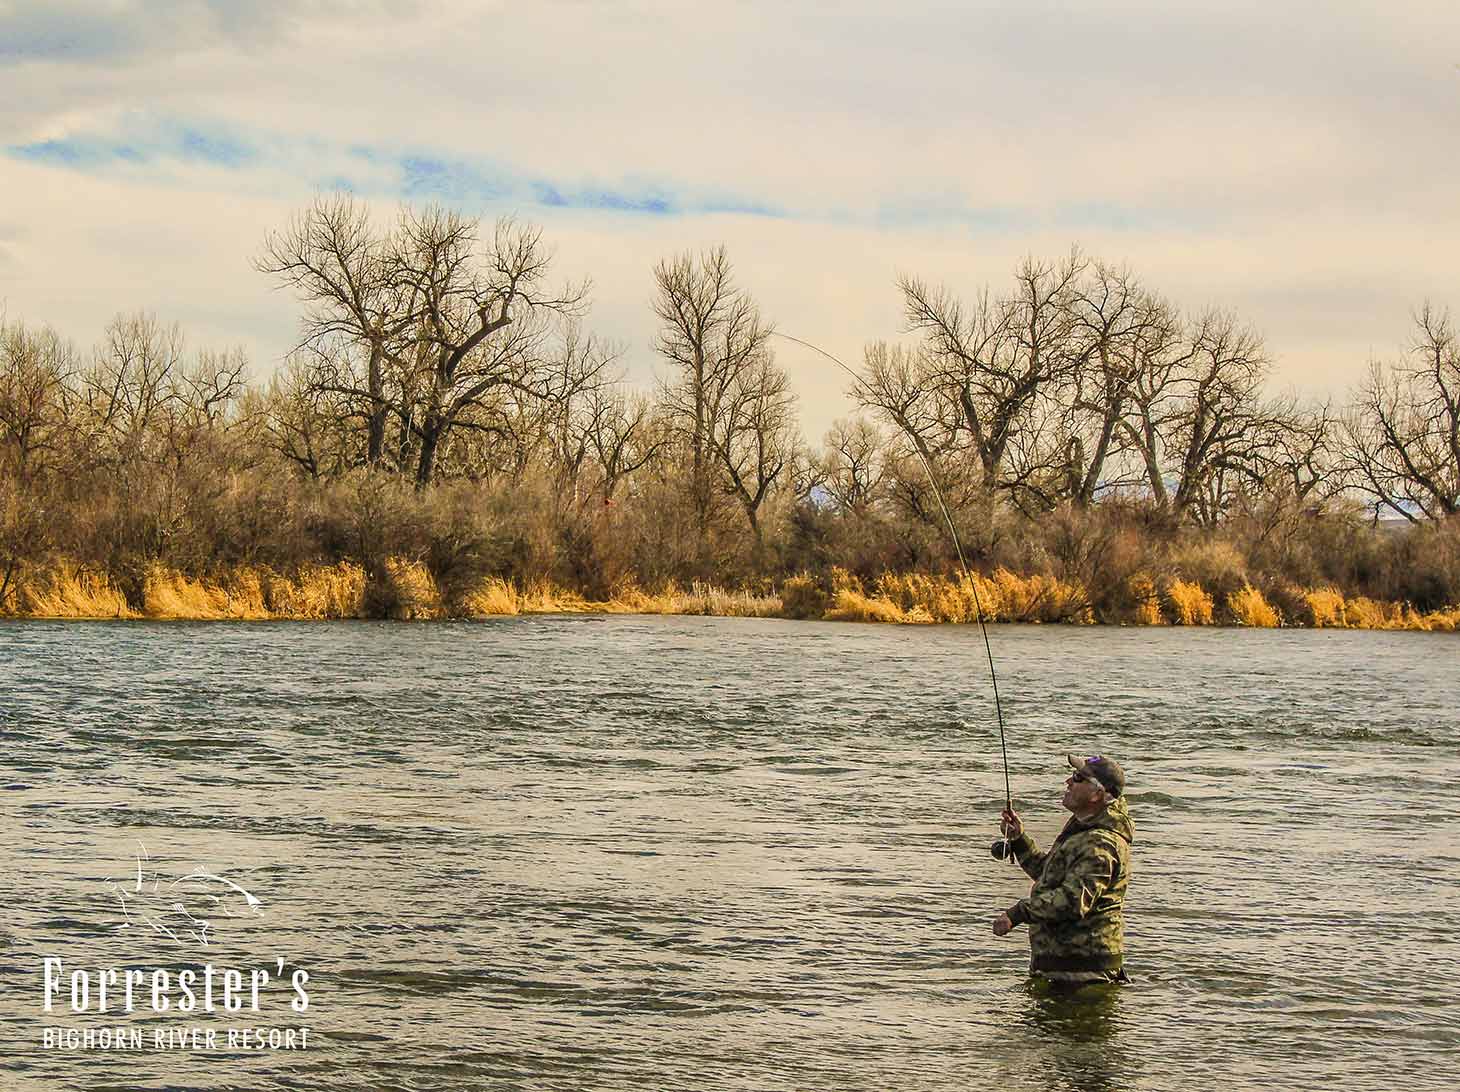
[{"x": 688, "y": 853}]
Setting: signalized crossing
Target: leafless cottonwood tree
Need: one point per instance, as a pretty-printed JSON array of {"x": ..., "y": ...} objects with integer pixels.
[
  {"x": 469, "y": 341},
  {"x": 1196, "y": 417},
  {"x": 1125, "y": 327},
  {"x": 1303, "y": 458},
  {"x": 900, "y": 384},
  {"x": 1082, "y": 380},
  {"x": 854, "y": 464},
  {"x": 37, "y": 404},
  {"x": 440, "y": 318},
  {"x": 145, "y": 403},
  {"x": 754, "y": 436},
  {"x": 1222, "y": 428},
  {"x": 308, "y": 423},
  {"x": 988, "y": 361},
  {"x": 131, "y": 389},
  {"x": 626, "y": 435},
  {"x": 1403, "y": 432},
  {"x": 713, "y": 335},
  {"x": 37, "y": 399},
  {"x": 574, "y": 380},
  {"x": 341, "y": 266}
]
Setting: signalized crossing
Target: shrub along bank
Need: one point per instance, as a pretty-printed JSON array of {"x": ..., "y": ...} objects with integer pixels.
[{"x": 406, "y": 590}]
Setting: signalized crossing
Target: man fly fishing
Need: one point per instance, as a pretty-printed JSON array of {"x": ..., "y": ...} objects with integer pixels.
[{"x": 1074, "y": 906}]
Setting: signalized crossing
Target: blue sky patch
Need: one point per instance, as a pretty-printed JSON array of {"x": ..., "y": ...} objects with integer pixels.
[
  {"x": 217, "y": 149},
  {"x": 415, "y": 174},
  {"x": 77, "y": 154},
  {"x": 90, "y": 153}
]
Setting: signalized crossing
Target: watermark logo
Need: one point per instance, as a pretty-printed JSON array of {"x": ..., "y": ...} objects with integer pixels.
[{"x": 178, "y": 911}]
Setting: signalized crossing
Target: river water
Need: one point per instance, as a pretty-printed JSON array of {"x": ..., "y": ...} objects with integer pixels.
[{"x": 698, "y": 853}]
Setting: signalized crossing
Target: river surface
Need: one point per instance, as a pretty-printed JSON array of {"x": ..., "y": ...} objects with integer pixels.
[{"x": 697, "y": 853}]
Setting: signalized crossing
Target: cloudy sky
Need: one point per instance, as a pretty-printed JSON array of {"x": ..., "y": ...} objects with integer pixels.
[{"x": 1297, "y": 162}]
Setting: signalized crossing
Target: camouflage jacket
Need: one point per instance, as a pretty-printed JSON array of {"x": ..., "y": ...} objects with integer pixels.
[{"x": 1073, "y": 909}]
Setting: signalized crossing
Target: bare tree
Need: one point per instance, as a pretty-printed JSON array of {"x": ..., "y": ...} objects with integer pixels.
[
  {"x": 37, "y": 372},
  {"x": 1125, "y": 328},
  {"x": 1223, "y": 428},
  {"x": 468, "y": 341},
  {"x": 712, "y": 333},
  {"x": 901, "y": 385},
  {"x": 625, "y": 437},
  {"x": 131, "y": 390},
  {"x": 1196, "y": 416},
  {"x": 1403, "y": 432},
  {"x": 440, "y": 320},
  {"x": 145, "y": 403},
  {"x": 574, "y": 382},
  {"x": 1303, "y": 458},
  {"x": 991, "y": 359},
  {"x": 342, "y": 267},
  {"x": 754, "y": 435},
  {"x": 307, "y": 423},
  {"x": 854, "y": 464}
]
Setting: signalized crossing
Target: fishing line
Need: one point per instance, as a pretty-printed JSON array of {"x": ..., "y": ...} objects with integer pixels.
[{"x": 962, "y": 564}]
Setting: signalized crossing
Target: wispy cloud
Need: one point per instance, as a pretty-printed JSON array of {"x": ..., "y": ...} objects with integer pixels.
[
  {"x": 424, "y": 175},
  {"x": 172, "y": 143},
  {"x": 373, "y": 171}
]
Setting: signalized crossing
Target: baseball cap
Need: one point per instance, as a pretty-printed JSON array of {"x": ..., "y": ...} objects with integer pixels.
[{"x": 1105, "y": 772}]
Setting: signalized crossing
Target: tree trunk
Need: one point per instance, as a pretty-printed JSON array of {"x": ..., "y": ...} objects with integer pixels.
[
  {"x": 431, "y": 431},
  {"x": 379, "y": 407}
]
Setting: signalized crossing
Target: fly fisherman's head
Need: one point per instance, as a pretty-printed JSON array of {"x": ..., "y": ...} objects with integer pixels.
[{"x": 1094, "y": 784}]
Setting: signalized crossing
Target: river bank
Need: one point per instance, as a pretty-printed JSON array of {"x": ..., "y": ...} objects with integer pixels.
[{"x": 406, "y": 590}]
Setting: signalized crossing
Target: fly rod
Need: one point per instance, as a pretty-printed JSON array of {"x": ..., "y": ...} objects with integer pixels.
[{"x": 1000, "y": 849}]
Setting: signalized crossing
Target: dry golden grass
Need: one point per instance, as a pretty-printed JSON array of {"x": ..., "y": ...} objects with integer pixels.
[
  {"x": 1215, "y": 564},
  {"x": 170, "y": 595},
  {"x": 925, "y": 598},
  {"x": 1249, "y": 608},
  {"x": 550, "y": 599},
  {"x": 1324, "y": 607},
  {"x": 802, "y": 596},
  {"x": 495, "y": 597},
  {"x": 1442, "y": 621},
  {"x": 318, "y": 592},
  {"x": 414, "y": 591},
  {"x": 632, "y": 599},
  {"x": 1189, "y": 604},
  {"x": 1040, "y": 598},
  {"x": 1364, "y": 613},
  {"x": 498, "y": 597},
  {"x": 57, "y": 593},
  {"x": 741, "y": 604},
  {"x": 245, "y": 593},
  {"x": 1147, "y": 600},
  {"x": 492, "y": 597},
  {"x": 1003, "y": 597},
  {"x": 851, "y": 606},
  {"x": 339, "y": 591}
]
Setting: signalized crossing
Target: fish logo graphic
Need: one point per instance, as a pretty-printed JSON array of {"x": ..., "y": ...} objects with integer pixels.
[{"x": 183, "y": 907}]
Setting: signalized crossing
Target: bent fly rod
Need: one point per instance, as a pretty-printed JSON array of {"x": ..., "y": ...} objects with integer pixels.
[{"x": 999, "y": 849}]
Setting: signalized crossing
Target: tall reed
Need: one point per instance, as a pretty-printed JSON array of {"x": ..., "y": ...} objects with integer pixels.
[
  {"x": 1189, "y": 604},
  {"x": 1248, "y": 607}
]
